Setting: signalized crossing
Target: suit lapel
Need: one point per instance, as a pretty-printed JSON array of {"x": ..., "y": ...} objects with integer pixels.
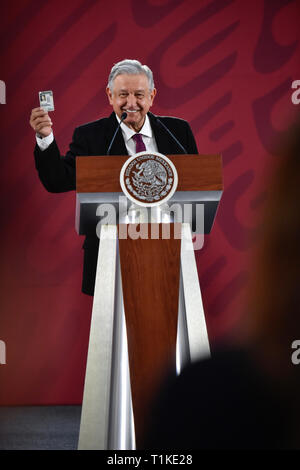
[
  {"x": 163, "y": 141},
  {"x": 118, "y": 146}
]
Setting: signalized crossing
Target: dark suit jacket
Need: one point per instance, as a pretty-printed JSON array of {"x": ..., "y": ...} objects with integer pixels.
[{"x": 57, "y": 173}]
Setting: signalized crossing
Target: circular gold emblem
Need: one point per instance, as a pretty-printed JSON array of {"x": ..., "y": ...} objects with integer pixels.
[{"x": 148, "y": 179}]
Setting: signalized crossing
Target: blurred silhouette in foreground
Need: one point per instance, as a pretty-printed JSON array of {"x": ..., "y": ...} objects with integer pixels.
[{"x": 247, "y": 396}]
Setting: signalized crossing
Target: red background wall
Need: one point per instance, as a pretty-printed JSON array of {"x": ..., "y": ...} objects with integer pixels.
[{"x": 226, "y": 66}]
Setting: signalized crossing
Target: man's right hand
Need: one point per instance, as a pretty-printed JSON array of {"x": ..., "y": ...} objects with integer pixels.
[{"x": 40, "y": 122}]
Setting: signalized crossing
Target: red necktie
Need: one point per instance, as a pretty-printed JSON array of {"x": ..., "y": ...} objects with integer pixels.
[{"x": 139, "y": 144}]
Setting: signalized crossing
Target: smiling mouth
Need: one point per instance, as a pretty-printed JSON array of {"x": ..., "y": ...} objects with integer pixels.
[{"x": 131, "y": 110}]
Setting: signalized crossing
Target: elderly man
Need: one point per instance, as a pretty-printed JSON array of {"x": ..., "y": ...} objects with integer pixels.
[{"x": 130, "y": 90}]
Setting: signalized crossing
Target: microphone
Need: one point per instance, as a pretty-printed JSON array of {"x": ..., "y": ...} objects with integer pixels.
[
  {"x": 171, "y": 134},
  {"x": 123, "y": 117}
]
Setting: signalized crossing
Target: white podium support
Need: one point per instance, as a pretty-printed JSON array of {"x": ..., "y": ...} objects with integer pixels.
[{"x": 107, "y": 418}]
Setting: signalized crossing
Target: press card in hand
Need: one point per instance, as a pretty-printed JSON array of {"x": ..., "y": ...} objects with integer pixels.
[{"x": 46, "y": 100}]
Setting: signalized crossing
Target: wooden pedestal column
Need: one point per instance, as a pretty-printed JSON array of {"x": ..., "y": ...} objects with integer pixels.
[{"x": 150, "y": 270}]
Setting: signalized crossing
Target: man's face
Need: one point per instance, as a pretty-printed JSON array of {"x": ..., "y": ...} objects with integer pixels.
[{"x": 131, "y": 94}]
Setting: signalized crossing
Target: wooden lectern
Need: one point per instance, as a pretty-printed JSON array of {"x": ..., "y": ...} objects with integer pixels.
[{"x": 147, "y": 311}]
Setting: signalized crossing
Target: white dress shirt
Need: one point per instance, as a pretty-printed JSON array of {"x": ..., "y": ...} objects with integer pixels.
[
  {"x": 44, "y": 142},
  {"x": 146, "y": 132}
]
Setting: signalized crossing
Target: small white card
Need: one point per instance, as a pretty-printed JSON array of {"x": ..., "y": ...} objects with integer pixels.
[{"x": 46, "y": 100}]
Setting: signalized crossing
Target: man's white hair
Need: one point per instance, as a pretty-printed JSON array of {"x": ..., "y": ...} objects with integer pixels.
[{"x": 130, "y": 67}]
